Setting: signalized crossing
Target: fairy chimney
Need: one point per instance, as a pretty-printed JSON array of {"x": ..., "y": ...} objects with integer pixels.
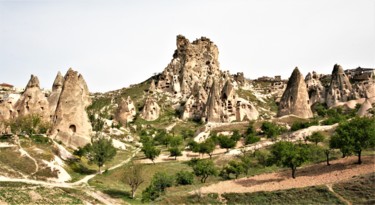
[
  {"x": 125, "y": 111},
  {"x": 340, "y": 88}
]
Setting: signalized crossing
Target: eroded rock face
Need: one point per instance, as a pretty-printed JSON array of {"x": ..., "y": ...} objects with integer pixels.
[
  {"x": 70, "y": 122},
  {"x": 55, "y": 94},
  {"x": 151, "y": 109},
  {"x": 191, "y": 63},
  {"x": 193, "y": 108},
  {"x": 340, "y": 88},
  {"x": 295, "y": 99},
  {"x": 245, "y": 110},
  {"x": 212, "y": 110},
  {"x": 126, "y": 111},
  {"x": 315, "y": 88},
  {"x": 33, "y": 101},
  {"x": 365, "y": 108},
  {"x": 6, "y": 110}
]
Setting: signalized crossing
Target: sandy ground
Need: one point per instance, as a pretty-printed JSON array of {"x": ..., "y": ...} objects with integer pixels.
[{"x": 319, "y": 174}]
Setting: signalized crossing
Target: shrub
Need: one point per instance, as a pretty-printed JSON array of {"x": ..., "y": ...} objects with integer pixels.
[
  {"x": 184, "y": 178},
  {"x": 251, "y": 138}
]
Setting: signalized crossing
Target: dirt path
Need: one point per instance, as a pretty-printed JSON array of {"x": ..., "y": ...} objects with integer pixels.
[
  {"x": 329, "y": 186},
  {"x": 319, "y": 174}
]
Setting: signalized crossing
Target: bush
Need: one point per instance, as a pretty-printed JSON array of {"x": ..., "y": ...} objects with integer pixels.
[
  {"x": 302, "y": 125},
  {"x": 251, "y": 138},
  {"x": 272, "y": 130},
  {"x": 160, "y": 181},
  {"x": 29, "y": 124},
  {"x": 184, "y": 178},
  {"x": 40, "y": 139}
]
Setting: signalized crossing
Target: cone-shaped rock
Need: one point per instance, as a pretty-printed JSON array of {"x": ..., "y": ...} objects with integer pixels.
[
  {"x": 71, "y": 123},
  {"x": 33, "y": 101},
  {"x": 151, "y": 109},
  {"x": 340, "y": 87},
  {"x": 55, "y": 94},
  {"x": 295, "y": 99},
  {"x": 213, "y": 107},
  {"x": 365, "y": 108},
  {"x": 315, "y": 88},
  {"x": 126, "y": 111}
]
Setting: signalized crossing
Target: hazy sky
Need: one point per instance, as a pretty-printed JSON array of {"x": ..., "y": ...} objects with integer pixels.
[{"x": 117, "y": 43}]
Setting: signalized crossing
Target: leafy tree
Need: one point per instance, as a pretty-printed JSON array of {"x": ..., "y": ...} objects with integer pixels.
[
  {"x": 175, "y": 152},
  {"x": 226, "y": 142},
  {"x": 236, "y": 136},
  {"x": 193, "y": 146},
  {"x": 160, "y": 181},
  {"x": 263, "y": 157},
  {"x": 272, "y": 130},
  {"x": 251, "y": 139},
  {"x": 134, "y": 178},
  {"x": 247, "y": 162},
  {"x": 316, "y": 137},
  {"x": 250, "y": 130},
  {"x": 207, "y": 147},
  {"x": 287, "y": 154},
  {"x": 101, "y": 151},
  {"x": 82, "y": 151},
  {"x": 29, "y": 124},
  {"x": 327, "y": 153},
  {"x": 204, "y": 169},
  {"x": 233, "y": 167},
  {"x": 150, "y": 151},
  {"x": 176, "y": 141},
  {"x": 354, "y": 136},
  {"x": 163, "y": 138},
  {"x": 184, "y": 177}
]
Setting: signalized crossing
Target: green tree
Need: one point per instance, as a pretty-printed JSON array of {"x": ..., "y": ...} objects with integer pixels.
[
  {"x": 101, "y": 151},
  {"x": 150, "y": 151},
  {"x": 134, "y": 177},
  {"x": 160, "y": 181},
  {"x": 236, "y": 135},
  {"x": 207, "y": 147},
  {"x": 287, "y": 154},
  {"x": 175, "y": 152},
  {"x": 233, "y": 167},
  {"x": 354, "y": 136},
  {"x": 176, "y": 141},
  {"x": 226, "y": 142},
  {"x": 251, "y": 139},
  {"x": 272, "y": 130},
  {"x": 247, "y": 162},
  {"x": 204, "y": 169},
  {"x": 184, "y": 177},
  {"x": 316, "y": 137}
]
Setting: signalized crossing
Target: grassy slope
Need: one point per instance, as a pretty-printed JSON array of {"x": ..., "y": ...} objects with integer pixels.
[{"x": 20, "y": 193}]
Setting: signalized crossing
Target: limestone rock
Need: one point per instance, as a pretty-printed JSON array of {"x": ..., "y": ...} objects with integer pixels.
[
  {"x": 315, "y": 88},
  {"x": 340, "y": 87},
  {"x": 151, "y": 109},
  {"x": 229, "y": 102},
  {"x": 126, "y": 111},
  {"x": 7, "y": 110},
  {"x": 70, "y": 122},
  {"x": 55, "y": 94},
  {"x": 295, "y": 99},
  {"x": 245, "y": 110},
  {"x": 33, "y": 101}
]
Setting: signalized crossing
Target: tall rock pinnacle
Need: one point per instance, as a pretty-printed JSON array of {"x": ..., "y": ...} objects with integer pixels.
[
  {"x": 295, "y": 99},
  {"x": 340, "y": 88}
]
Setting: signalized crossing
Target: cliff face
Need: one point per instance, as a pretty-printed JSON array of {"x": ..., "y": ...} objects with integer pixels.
[
  {"x": 340, "y": 88},
  {"x": 55, "y": 94},
  {"x": 70, "y": 122},
  {"x": 126, "y": 111},
  {"x": 295, "y": 99}
]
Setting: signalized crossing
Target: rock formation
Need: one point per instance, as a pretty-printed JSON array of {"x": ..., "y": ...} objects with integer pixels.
[
  {"x": 192, "y": 62},
  {"x": 245, "y": 110},
  {"x": 212, "y": 109},
  {"x": 365, "y": 108},
  {"x": 151, "y": 109},
  {"x": 6, "y": 110},
  {"x": 55, "y": 94},
  {"x": 295, "y": 99},
  {"x": 70, "y": 122},
  {"x": 340, "y": 87},
  {"x": 125, "y": 111},
  {"x": 33, "y": 101},
  {"x": 193, "y": 108},
  {"x": 229, "y": 102},
  {"x": 315, "y": 88}
]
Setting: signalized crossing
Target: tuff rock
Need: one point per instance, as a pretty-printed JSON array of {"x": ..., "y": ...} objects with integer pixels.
[
  {"x": 151, "y": 109},
  {"x": 340, "y": 88},
  {"x": 125, "y": 111},
  {"x": 295, "y": 99}
]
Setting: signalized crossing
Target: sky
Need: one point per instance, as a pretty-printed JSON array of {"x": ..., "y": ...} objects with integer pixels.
[{"x": 114, "y": 44}]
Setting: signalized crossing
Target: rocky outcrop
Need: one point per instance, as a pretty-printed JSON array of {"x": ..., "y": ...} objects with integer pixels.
[
  {"x": 6, "y": 110},
  {"x": 151, "y": 109},
  {"x": 33, "y": 101},
  {"x": 245, "y": 110},
  {"x": 212, "y": 110},
  {"x": 191, "y": 63},
  {"x": 340, "y": 89},
  {"x": 193, "y": 108},
  {"x": 295, "y": 99},
  {"x": 365, "y": 108},
  {"x": 70, "y": 122},
  {"x": 315, "y": 88},
  {"x": 125, "y": 111},
  {"x": 229, "y": 102},
  {"x": 55, "y": 94}
]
